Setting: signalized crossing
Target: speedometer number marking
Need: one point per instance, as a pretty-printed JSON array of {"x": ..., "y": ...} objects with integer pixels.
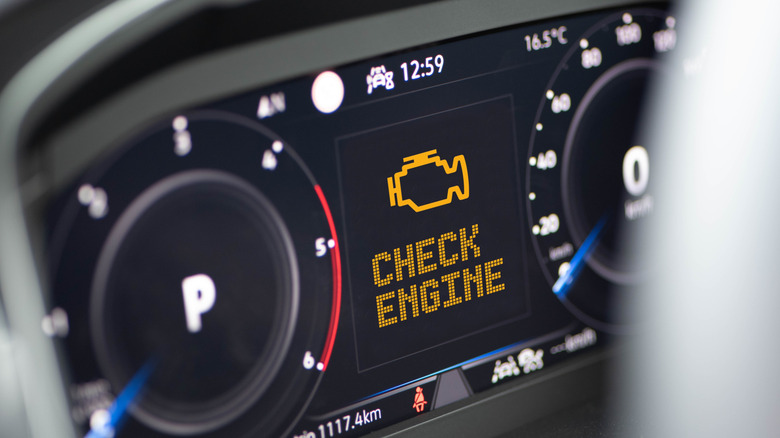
[
  {"x": 560, "y": 103},
  {"x": 666, "y": 39},
  {"x": 591, "y": 58},
  {"x": 545, "y": 160},
  {"x": 547, "y": 225},
  {"x": 629, "y": 33},
  {"x": 636, "y": 170}
]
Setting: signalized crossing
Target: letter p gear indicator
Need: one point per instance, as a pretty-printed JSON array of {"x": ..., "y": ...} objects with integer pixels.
[{"x": 199, "y": 295}]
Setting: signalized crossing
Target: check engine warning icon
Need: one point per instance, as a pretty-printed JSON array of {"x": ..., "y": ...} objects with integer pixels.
[{"x": 424, "y": 159}]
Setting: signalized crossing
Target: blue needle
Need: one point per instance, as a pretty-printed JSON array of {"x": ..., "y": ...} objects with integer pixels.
[
  {"x": 564, "y": 282},
  {"x": 122, "y": 402}
]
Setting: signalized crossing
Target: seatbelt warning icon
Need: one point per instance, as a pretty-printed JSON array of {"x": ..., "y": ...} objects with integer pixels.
[
  {"x": 419, "y": 400},
  {"x": 424, "y": 159}
]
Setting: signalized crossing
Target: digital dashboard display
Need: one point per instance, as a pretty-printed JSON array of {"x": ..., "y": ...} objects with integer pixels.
[
  {"x": 430, "y": 242},
  {"x": 333, "y": 254}
]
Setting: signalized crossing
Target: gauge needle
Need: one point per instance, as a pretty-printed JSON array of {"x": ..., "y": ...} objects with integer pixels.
[
  {"x": 564, "y": 282},
  {"x": 122, "y": 402}
]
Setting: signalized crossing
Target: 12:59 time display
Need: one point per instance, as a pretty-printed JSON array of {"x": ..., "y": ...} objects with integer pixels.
[{"x": 415, "y": 69}]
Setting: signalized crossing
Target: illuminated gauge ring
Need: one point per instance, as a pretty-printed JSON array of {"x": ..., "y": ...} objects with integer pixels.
[
  {"x": 222, "y": 200},
  {"x": 578, "y": 208}
]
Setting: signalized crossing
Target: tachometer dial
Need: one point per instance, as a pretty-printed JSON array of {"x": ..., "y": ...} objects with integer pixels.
[
  {"x": 590, "y": 185},
  {"x": 204, "y": 254}
]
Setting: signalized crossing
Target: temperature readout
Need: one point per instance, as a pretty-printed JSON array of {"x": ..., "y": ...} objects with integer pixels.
[{"x": 536, "y": 41}]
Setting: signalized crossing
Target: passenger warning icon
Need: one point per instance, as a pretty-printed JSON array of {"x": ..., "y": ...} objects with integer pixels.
[
  {"x": 419, "y": 400},
  {"x": 424, "y": 159}
]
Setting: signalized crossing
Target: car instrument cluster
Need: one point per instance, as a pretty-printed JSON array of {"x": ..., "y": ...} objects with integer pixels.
[{"x": 332, "y": 254}]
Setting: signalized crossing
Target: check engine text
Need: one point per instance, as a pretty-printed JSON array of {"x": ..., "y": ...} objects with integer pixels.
[{"x": 434, "y": 292}]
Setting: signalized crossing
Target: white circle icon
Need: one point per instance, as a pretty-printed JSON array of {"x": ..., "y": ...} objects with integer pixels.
[{"x": 327, "y": 92}]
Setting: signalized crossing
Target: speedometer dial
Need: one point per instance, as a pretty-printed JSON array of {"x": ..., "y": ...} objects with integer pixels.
[{"x": 589, "y": 178}]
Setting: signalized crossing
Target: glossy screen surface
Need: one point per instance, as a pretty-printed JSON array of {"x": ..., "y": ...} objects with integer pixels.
[{"x": 339, "y": 252}]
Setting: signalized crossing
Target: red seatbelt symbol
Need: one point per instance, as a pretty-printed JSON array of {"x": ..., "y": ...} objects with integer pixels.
[{"x": 419, "y": 400}]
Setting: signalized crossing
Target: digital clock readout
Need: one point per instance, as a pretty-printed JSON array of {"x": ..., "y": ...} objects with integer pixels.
[{"x": 415, "y": 69}]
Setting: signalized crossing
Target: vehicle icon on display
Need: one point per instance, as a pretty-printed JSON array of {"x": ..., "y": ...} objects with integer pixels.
[
  {"x": 531, "y": 360},
  {"x": 505, "y": 369},
  {"x": 379, "y": 77}
]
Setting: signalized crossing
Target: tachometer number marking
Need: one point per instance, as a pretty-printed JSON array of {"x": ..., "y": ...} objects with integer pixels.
[
  {"x": 308, "y": 360},
  {"x": 322, "y": 246},
  {"x": 269, "y": 160},
  {"x": 270, "y": 105}
]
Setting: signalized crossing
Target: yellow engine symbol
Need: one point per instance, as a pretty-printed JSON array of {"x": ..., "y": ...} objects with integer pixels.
[{"x": 424, "y": 159}]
